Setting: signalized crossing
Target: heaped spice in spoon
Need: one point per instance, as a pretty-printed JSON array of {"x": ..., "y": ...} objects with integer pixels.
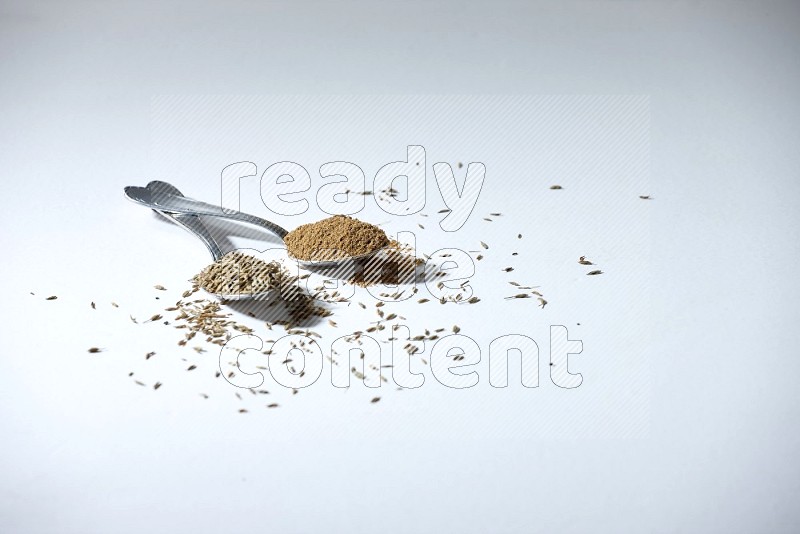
[
  {"x": 237, "y": 273},
  {"x": 333, "y": 238}
]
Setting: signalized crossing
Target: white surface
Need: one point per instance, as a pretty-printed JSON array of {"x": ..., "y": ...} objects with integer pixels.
[{"x": 707, "y": 441}]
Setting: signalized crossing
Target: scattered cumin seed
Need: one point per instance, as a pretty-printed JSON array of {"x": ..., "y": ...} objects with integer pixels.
[
  {"x": 484, "y": 245},
  {"x": 375, "y": 399},
  {"x": 191, "y": 368},
  {"x": 95, "y": 350},
  {"x": 149, "y": 355},
  {"x": 155, "y": 317},
  {"x": 583, "y": 261},
  {"x": 51, "y": 298},
  {"x": 93, "y": 306},
  {"x": 592, "y": 273},
  {"x": 423, "y": 301},
  {"x": 273, "y": 405},
  {"x": 645, "y": 197},
  {"x": 242, "y": 410},
  {"x": 508, "y": 269},
  {"x": 160, "y": 287},
  {"x": 456, "y": 329},
  {"x": 556, "y": 187},
  {"x": 157, "y": 385}
]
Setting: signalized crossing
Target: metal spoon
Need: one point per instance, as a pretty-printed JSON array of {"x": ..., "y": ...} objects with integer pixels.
[{"x": 160, "y": 199}]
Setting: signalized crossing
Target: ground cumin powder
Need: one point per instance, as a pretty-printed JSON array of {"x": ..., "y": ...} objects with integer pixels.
[{"x": 336, "y": 237}]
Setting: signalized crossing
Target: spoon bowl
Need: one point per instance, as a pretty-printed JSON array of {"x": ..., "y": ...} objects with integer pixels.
[{"x": 337, "y": 263}]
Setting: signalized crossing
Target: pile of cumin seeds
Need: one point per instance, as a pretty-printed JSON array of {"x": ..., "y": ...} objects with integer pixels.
[
  {"x": 237, "y": 273},
  {"x": 333, "y": 238}
]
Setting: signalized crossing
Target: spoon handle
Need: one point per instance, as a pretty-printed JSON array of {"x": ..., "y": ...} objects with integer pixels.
[{"x": 175, "y": 204}]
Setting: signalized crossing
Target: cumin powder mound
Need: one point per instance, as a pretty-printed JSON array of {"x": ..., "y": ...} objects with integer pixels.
[{"x": 333, "y": 238}]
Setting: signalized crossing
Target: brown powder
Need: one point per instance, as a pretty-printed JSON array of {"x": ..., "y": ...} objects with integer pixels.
[{"x": 336, "y": 237}]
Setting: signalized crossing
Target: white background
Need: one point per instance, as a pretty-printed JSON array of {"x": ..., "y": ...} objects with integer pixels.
[{"x": 700, "y": 437}]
